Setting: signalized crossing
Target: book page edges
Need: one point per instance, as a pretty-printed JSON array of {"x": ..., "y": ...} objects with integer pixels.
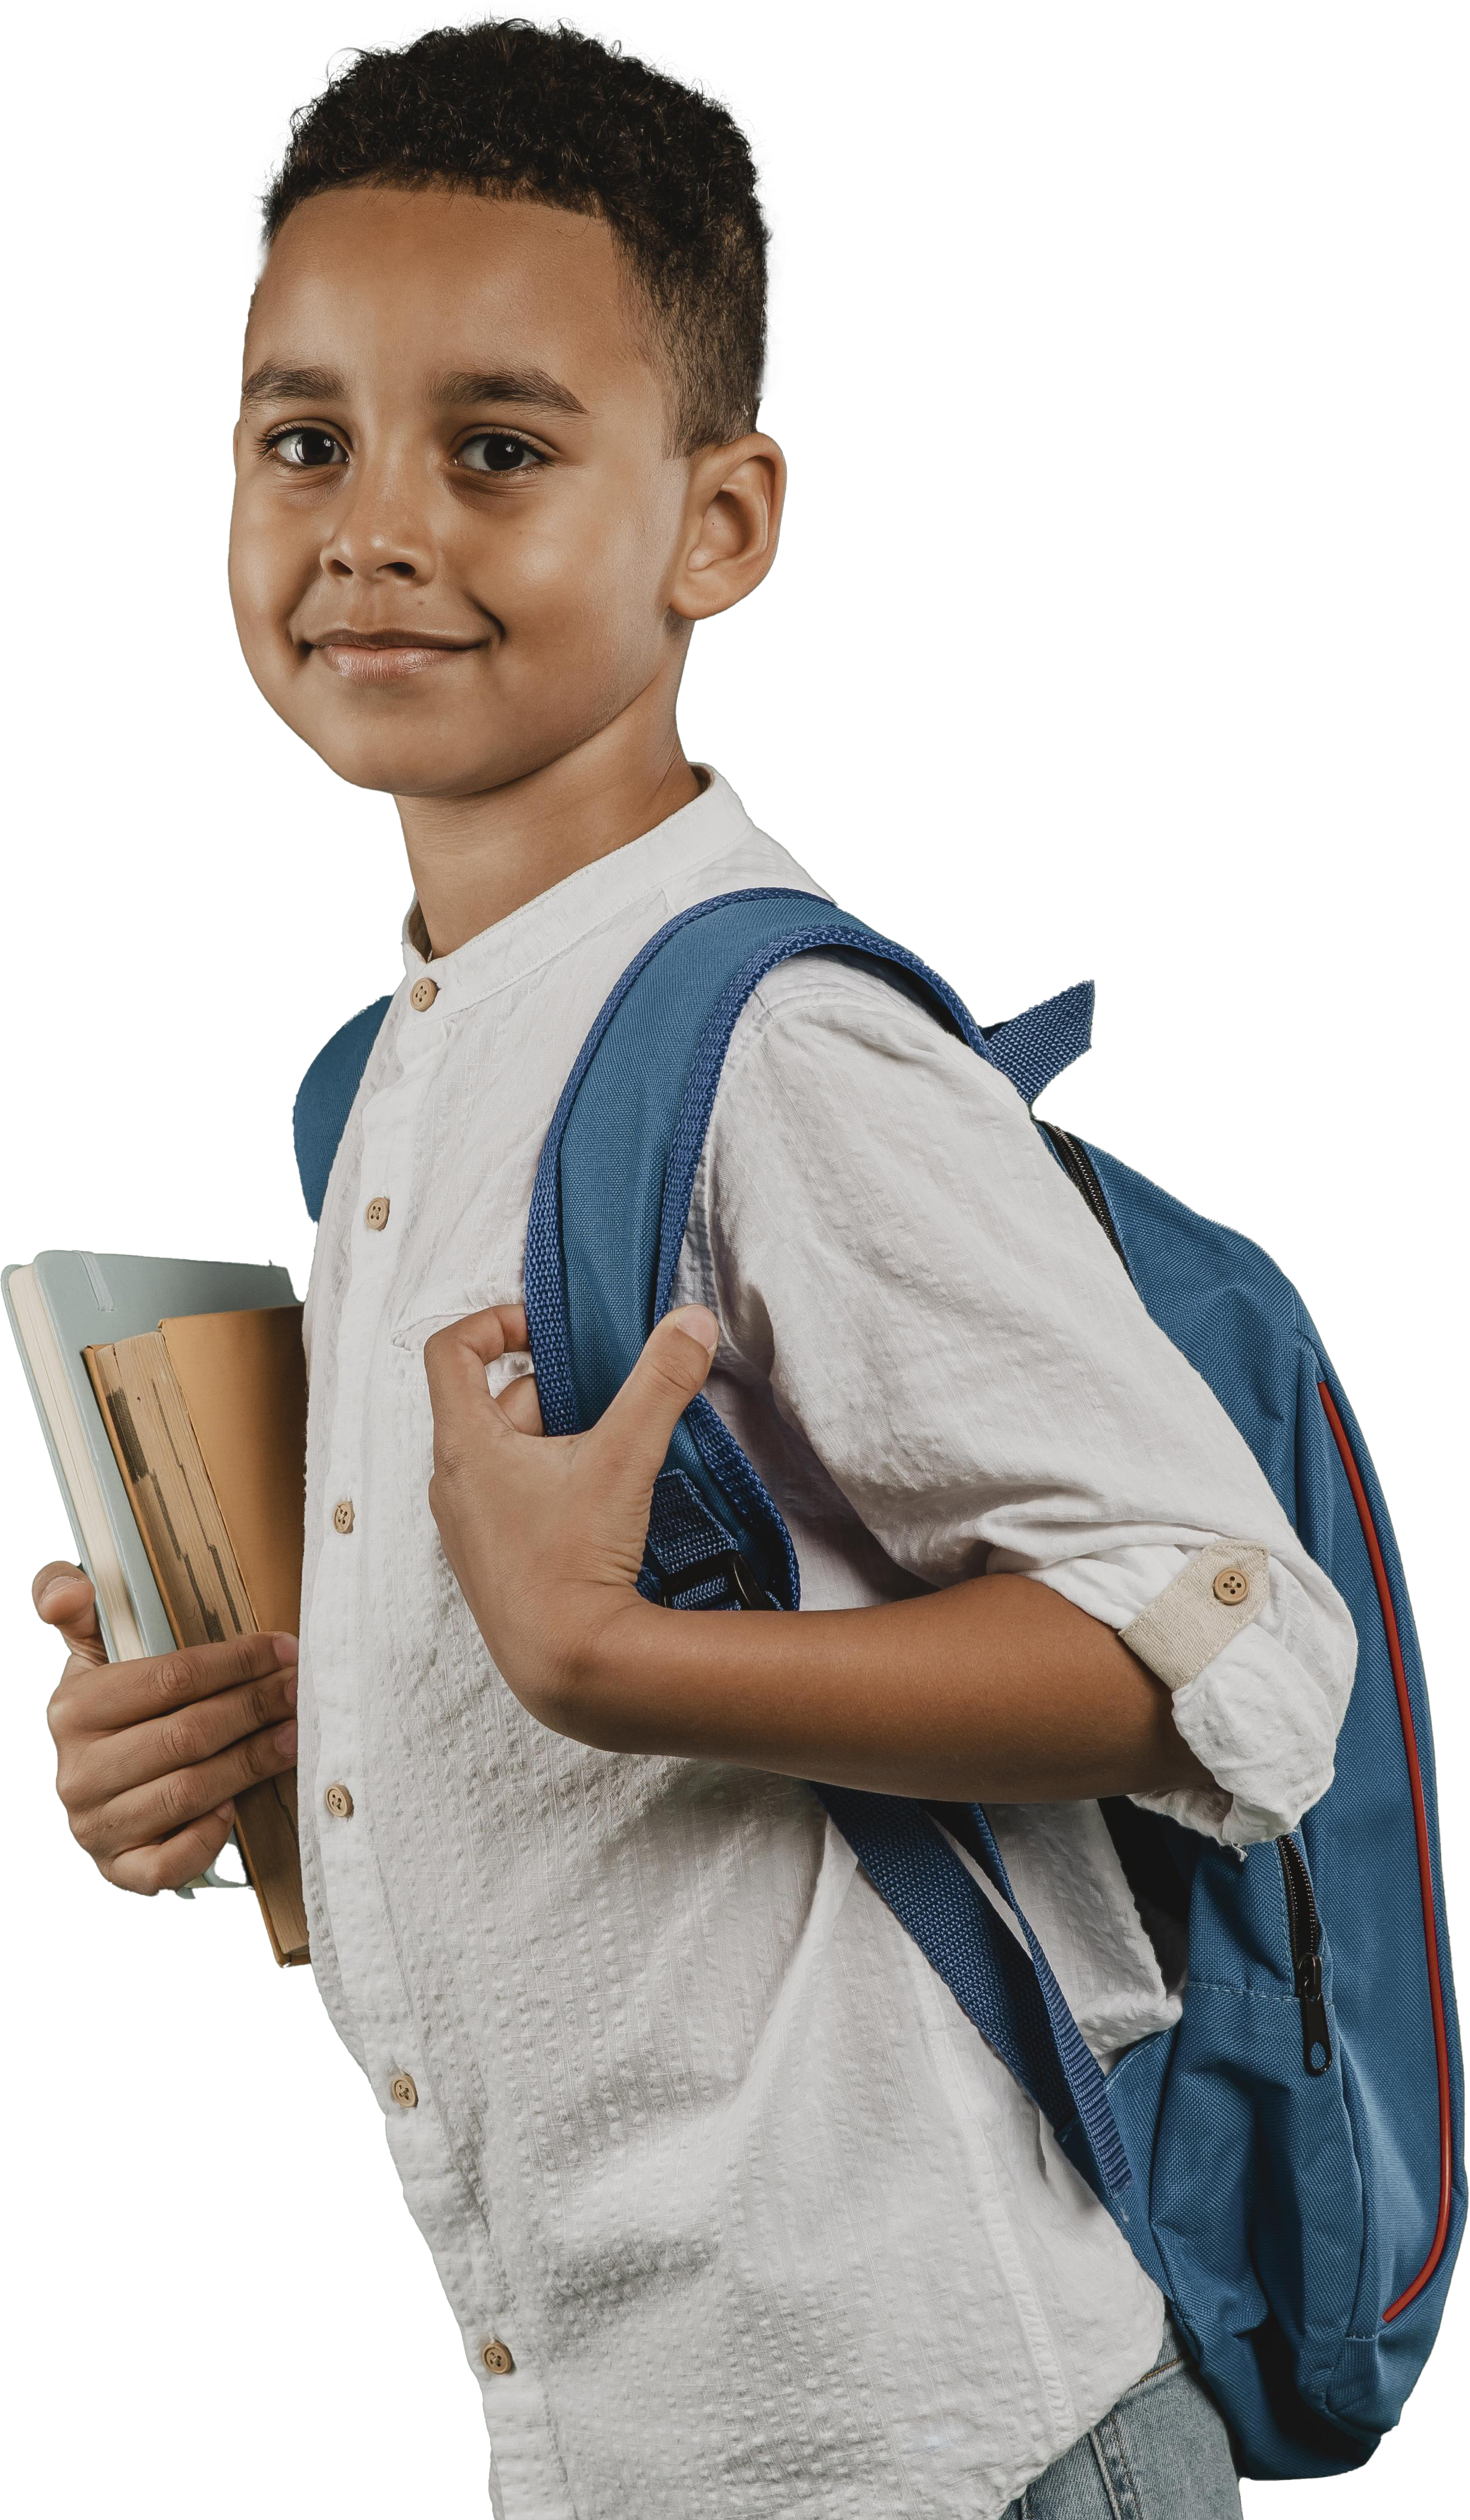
[
  {"x": 265, "y": 1813},
  {"x": 244, "y": 1381}
]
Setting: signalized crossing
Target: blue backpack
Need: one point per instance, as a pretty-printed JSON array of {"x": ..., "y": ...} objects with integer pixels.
[{"x": 1286, "y": 2160}]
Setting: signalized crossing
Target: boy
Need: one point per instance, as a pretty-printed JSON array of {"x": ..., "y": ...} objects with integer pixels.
[{"x": 737, "y": 2213}]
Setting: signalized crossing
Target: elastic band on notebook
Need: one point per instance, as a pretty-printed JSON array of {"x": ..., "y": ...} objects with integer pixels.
[{"x": 101, "y": 1290}]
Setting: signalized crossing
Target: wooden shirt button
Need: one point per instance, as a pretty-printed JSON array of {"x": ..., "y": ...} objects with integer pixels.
[
  {"x": 1231, "y": 1586},
  {"x": 374, "y": 1214},
  {"x": 338, "y": 1802},
  {"x": 497, "y": 2358},
  {"x": 343, "y": 1519},
  {"x": 421, "y": 995},
  {"x": 406, "y": 2091}
]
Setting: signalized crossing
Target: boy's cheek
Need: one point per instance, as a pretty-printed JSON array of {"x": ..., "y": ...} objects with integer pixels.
[
  {"x": 265, "y": 587},
  {"x": 580, "y": 626},
  {"x": 255, "y": 578}
]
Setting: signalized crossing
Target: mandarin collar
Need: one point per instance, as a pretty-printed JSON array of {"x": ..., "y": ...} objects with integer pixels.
[{"x": 544, "y": 928}]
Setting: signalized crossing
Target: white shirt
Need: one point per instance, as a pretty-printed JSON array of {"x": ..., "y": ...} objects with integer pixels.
[{"x": 698, "y": 2134}]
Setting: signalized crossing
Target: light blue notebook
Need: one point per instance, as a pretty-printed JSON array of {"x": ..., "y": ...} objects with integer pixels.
[{"x": 66, "y": 1301}]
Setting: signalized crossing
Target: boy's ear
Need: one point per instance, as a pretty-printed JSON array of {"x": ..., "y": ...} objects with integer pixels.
[{"x": 732, "y": 524}]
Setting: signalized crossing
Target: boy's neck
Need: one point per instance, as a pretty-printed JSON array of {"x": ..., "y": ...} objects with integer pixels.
[{"x": 476, "y": 859}]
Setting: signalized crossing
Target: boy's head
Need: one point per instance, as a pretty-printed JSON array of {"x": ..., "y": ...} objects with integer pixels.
[{"x": 497, "y": 446}]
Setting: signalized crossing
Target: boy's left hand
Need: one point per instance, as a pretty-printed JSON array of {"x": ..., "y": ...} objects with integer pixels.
[{"x": 545, "y": 1533}]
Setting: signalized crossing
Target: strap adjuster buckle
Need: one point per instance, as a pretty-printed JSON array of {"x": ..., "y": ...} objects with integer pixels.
[{"x": 726, "y": 1567}]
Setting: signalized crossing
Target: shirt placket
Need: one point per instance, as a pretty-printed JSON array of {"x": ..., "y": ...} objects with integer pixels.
[
  {"x": 339, "y": 1603},
  {"x": 353, "y": 1860}
]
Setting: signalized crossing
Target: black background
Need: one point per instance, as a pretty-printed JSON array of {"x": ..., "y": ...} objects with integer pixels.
[{"x": 1100, "y": 644}]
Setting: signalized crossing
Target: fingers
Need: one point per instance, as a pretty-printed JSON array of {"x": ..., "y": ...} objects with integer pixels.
[
  {"x": 633, "y": 1432},
  {"x": 455, "y": 1360},
  {"x": 64, "y": 1598},
  {"x": 498, "y": 1330},
  {"x": 124, "y": 1693},
  {"x": 520, "y": 1403},
  {"x": 108, "y": 1764},
  {"x": 151, "y": 1869},
  {"x": 168, "y": 1804},
  {"x": 151, "y": 1750}
]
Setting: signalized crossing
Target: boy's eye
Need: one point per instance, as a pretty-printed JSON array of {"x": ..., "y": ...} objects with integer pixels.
[
  {"x": 308, "y": 450},
  {"x": 494, "y": 451}
]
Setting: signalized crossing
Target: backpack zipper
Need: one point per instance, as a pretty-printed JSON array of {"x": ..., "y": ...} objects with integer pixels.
[
  {"x": 1078, "y": 1165},
  {"x": 1304, "y": 1928},
  {"x": 1303, "y": 1925}
]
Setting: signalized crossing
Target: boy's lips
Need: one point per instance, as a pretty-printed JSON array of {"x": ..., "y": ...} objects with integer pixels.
[{"x": 386, "y": 655}]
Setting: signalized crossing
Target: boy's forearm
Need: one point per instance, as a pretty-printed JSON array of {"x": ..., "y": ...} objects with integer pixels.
[{"x": 996, "y": 1689}]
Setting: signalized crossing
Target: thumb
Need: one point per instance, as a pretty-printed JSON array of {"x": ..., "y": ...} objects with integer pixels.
[
  {"x": 64, "y": 1598},
  {"x": 672, "y": 1369}
]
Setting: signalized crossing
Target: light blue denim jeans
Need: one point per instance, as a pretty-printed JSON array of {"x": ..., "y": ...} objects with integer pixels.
[{"x": 1162, "y": 2453}]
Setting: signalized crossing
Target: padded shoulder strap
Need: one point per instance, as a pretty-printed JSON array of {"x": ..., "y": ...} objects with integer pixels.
[
  {"x": 326, "y": 1095},
  {"x": 608, "y": 1220},
  {"x": 611, "y": 1195}
]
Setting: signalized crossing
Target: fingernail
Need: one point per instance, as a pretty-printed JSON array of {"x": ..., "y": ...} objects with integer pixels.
[
  {"x": 290, "y": 1689},
  {"x": 287, "y": 1649},
  {"x": 224, "y": 1811},
  {"x": 285, "y": 1739},
  {"x": 697, "y": 1321}
]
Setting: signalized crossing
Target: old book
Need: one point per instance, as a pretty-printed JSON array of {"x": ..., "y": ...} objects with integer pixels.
[
  {"x": 60, "y": 1304},
  {"x": 206, "y": 1416}
]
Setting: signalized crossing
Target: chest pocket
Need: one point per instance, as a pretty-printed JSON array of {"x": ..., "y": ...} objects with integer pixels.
[{"x": 434, "y": 1307}]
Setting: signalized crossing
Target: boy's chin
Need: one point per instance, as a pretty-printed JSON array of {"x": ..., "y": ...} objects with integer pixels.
[{"x": 420, "y": 768}]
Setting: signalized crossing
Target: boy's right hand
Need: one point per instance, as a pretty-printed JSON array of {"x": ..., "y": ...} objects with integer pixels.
[{"x": 149, "y": 1753}]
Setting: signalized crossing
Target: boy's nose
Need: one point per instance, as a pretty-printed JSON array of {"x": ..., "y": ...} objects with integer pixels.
[
  {"x": 344, "y": 564},
  {"x": 377, "y": 537},
  {"x": 381, "y": 556}
]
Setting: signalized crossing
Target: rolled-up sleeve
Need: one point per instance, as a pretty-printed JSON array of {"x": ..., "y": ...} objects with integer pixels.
[{"x": 943, "y": 1323}]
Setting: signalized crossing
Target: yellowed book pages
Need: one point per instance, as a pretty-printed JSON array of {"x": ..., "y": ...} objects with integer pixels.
[
  {"x": 244, "y": 1383},
  {"x": 250, "y": 1396}
]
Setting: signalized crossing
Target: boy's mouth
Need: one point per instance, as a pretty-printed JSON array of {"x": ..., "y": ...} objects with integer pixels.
[{"x": 386, "y": 655}]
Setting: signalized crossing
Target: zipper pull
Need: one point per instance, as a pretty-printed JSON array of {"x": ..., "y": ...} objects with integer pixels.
[{"x": 1317, "y": 2038}]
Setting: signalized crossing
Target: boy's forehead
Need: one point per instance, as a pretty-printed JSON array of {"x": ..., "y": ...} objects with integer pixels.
[{"x": 435, "y": 280}]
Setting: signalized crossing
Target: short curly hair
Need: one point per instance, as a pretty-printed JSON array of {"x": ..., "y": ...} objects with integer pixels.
[{"x": 539, "y": 113}]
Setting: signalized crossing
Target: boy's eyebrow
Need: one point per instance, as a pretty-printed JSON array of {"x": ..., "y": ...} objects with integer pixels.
[
  {"x": 509, "y": 384},
  {"x": 274, "y": 384}
]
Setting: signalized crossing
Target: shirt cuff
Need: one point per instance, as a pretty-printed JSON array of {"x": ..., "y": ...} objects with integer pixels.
[
  {"x": 1224, "y": 1589},
  {"x": 1253, "y": 1692}
]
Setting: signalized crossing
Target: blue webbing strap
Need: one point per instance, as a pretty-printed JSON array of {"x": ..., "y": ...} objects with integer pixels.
[
  {"x": 709, "y": 1510},
  {"x": 1033, "y": 1047},
  {"x": 1008, "y": 1992},
  {"x": 691, "y": 1561}
]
